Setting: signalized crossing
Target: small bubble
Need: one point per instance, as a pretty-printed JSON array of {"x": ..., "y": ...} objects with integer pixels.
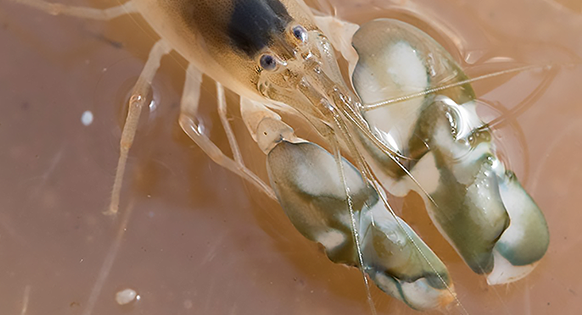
[
  {"x": 126, "y": 296},
  {"x": 87, "y": 118}
]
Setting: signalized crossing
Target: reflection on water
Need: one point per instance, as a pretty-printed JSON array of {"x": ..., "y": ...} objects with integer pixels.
[{"x": 197, "y": 240}]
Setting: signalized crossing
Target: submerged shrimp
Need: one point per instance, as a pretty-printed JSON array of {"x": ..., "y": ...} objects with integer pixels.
[{"x": 283, "y": 63}]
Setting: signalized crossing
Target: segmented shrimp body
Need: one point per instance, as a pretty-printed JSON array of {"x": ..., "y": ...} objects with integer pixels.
[{"x": 279, "y": 58}]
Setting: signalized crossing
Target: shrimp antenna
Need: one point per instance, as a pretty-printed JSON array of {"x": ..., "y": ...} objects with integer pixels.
[
  {"x": 354, "y": 225},
  {"x": 372, "y": 106}
]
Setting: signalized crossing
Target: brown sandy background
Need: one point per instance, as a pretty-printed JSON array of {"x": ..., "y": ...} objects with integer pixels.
[{"x": 195, "y": 239}]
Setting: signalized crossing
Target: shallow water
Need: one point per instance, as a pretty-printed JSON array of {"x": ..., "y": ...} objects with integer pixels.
[{"x": 194, "y": 238}]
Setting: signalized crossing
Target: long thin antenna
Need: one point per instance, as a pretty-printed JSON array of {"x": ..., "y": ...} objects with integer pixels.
[
  {"x": 354, "y": 224},
  {"x": 369, "y": 107}
]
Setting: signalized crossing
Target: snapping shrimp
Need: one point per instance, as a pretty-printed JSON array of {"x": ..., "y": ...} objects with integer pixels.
[{"x": 279, "y": 58}]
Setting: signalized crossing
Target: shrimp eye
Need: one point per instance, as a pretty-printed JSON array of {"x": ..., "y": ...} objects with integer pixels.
[
  {"x": 268, "y": 62},
  {"x": 300, "y": 33}
]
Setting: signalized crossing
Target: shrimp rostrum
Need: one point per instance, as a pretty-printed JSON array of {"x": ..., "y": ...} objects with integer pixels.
[{"x": 406, "y": 122}]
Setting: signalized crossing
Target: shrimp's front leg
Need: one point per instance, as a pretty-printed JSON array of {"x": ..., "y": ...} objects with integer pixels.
[
  {"x": 137, "y": 100},
  {"x": 188, "y": 122},
  {"x": 311, "y": 189}
]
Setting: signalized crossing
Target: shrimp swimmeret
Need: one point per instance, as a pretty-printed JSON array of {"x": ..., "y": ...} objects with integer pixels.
[{"x": 278, "y": 56}]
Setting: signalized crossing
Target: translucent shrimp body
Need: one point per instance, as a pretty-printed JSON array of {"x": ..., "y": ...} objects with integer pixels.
[{"x": 275, "y": 56}]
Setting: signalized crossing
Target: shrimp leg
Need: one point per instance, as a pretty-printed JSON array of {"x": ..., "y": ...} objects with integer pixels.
[
  {"x": 222, "y": 111},
  {"x": 82, "y": 12},
  {"x": 136, "y": 102},
  {"x": 189, "y": 109}
]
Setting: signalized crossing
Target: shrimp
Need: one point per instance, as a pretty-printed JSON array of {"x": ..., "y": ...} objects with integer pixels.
[{"x": 283, "y": 62}]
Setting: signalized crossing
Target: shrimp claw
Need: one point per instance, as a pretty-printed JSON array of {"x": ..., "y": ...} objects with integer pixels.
[
  {"x": 480, "y": 208},
  {"x": 309, "y": 187}
]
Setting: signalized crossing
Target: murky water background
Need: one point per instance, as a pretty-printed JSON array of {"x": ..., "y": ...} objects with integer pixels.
[{"x": 192, "y": 237}]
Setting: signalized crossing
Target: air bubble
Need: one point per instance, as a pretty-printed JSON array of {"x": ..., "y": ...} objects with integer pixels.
[
  {"x": 126, "y": 296},
  {"x": 87, "y": 118}
]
